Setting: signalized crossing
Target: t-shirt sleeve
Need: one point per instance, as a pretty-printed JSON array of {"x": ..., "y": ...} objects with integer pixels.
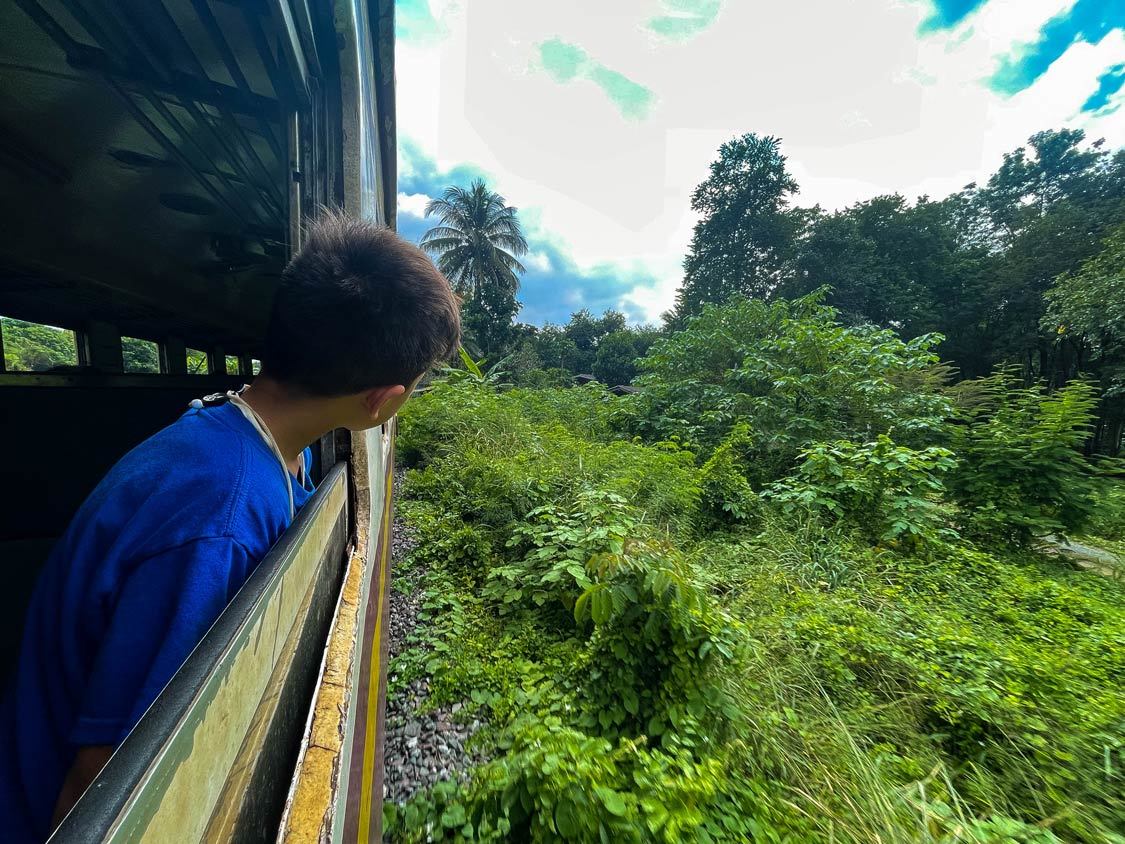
[{"x": 164, "y": 608}]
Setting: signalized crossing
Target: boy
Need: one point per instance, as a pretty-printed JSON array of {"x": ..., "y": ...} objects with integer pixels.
[{"x": 171, "y": 533}]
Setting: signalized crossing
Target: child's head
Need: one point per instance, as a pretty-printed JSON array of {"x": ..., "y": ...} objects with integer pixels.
[{"x": 360, "y": 314}]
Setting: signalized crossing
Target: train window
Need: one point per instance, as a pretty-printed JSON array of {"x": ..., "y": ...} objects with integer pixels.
[
  {"x": 196, "y": 362},
  {"x": 34, "y": 347},
  {"x": 255, "y": 366},
  {"x": 140, "y": 355},
  {"x": 232, "y": 365}
]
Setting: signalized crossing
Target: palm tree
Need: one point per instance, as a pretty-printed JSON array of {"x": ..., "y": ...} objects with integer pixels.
[{"x": 477, "y": 242}]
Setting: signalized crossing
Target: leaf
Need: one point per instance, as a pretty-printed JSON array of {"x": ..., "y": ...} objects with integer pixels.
[
  {"x": 611, "y": 800},
  {"x": 629, "y": 699},
  {"x": 453, "y": 816},
  {"x": 471, "y": 365}
]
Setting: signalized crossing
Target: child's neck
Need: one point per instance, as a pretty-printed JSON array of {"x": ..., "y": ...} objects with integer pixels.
[{"x": 294, "y": 421}]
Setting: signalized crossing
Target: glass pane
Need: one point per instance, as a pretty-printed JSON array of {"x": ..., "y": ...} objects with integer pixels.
[
  {"x": 140, "y": 355},
  {"x": 255, "y": 366},
  {"x": 33, "y": 347},
  {"x": 232, "y": 365},
  {"x": 196, "y": 362}
]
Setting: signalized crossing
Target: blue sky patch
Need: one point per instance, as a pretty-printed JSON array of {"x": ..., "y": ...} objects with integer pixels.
[
  {"x": 554, "y": 286},
  {"x": 1086, "y": 20},
  {"x": 1109, "y": 83},
  {"x": 946, "y": 14}
]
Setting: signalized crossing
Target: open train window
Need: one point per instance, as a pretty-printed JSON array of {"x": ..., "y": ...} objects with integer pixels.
[
  {"x": 36, "y": 347},
  {"x": 140, "y": 356},
  {"x": 196, "y": 362},
  {"x": 232, "y": 365}
]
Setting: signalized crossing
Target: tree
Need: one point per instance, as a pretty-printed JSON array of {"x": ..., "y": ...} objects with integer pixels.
[
  {"x": 1086, "y": 316},
  {"x": 30, "y": 347},
  {"x": 140, "y": 355},
  {"x": 1045, "y": 210},
  {"x": 476, "y": 246},
  {"x": 743, "y": 243},
  {"x": 904, "y": 267},
  {"x": 613, "y": 363},
  {"x": 555, "y": 349},
  {"x": 794, "y": 374}
]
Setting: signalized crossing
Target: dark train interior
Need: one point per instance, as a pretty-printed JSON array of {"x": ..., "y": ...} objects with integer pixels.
[{"x": 148, "y": 168}]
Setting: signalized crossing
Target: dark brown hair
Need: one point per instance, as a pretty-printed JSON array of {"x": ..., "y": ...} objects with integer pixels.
[{"x": 358, "y": 307}]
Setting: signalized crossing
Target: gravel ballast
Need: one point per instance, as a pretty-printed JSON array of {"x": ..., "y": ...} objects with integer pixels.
[{"x": 420, "y": 749}]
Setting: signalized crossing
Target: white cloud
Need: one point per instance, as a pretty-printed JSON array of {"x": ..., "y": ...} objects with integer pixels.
[
  {"x": 413, "y": 203},
  {"x": 538, "y": 261},
  {"x": 864, "y": 105}
]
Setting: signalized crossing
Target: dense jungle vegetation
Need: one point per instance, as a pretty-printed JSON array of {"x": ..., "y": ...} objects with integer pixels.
[
  {"x": 1023, "y": 269},
  {"x": 791, "y": 590},
  {"x": 803, "y": 584}
]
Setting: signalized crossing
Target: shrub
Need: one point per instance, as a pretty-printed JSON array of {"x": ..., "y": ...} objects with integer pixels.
[
  {"x": 727, "y": 496},
  {"x": 889, "y": 492},
  {"x": 790, "y": 372},
  {"x": 556, "y": 783},
  {"x": 658, "y": 637},
  {"x": 1020, "y": 471},
  {"x": 556, "y": 542},
  {"x": 1107, "y": 518}
]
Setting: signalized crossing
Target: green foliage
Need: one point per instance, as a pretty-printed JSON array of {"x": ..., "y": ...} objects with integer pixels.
[
  {"x": 743, "y": 242},
  {"x": 196, "y": 362},
  {"x": 1020, "y": 471},
  {"x": 140, "y": 355},
  {"x": 849, "y": 670},
  {"x": 656, "y": 643},
  {"x": 550, "y": 442},
  {"x": 1107, "y": 519},
  {"x": 546, "y": 379},
  {"x": 727, "y": 495},
  {"x": 556, "y": 783},
  {"x": 615, "y": 359},
  {"x": 793, "y": 374},
  {"x": 888, "y": 492},
  {"x": 1090, "y": 304},
  {"x": 30, "y": 347},
  {"x": 556, "y": 544},
  {"x": 473, "y": 370}
]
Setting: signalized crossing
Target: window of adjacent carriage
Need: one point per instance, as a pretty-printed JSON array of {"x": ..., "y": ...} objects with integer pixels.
[
  {"x": 34, "y": 347},
  {"x": 196, "y": 362},
  {"x": 140, "y": 355},
  {"x": 255, "y": 366},
  {"x": 232, "y": 365}
]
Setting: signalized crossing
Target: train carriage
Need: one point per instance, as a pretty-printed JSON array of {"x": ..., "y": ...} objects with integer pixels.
[{"x": 158, "y": 159}]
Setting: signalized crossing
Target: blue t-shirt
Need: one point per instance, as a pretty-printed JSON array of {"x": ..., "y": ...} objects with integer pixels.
[{"x": 147, "y": 564}]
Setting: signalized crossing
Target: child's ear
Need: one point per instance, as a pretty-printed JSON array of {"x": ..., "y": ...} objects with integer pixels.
[{"x": 375, "y": 398}]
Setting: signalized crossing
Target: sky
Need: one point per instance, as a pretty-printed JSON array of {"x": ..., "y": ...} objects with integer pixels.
[{"x": 597, "y": 118}]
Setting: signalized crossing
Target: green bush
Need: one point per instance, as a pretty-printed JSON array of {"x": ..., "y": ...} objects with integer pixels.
[
  {"x": 556, "y": 783},
  {"x": 1107, "y": 518},
  {"x": 555, "y": 545},
  {"x": 802, "y": 676},
  {"x": 657, "y": 641},
  {"x": 889, "y": 493},
  {"x": 727, "y": 496},
  {"x": 790, "y": 372},
  {"x": 1020, "y": 472}
]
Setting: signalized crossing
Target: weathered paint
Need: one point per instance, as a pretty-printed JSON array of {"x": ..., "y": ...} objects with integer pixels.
[{"x": 337, "y": 789}]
